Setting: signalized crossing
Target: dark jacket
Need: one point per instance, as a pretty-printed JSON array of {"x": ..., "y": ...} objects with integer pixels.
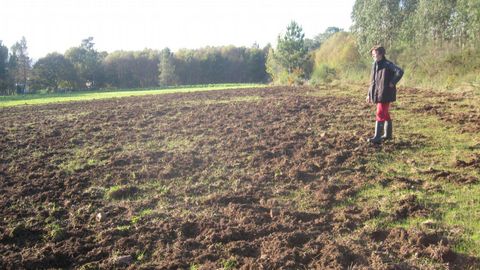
[{"x": 383, "y": 73}]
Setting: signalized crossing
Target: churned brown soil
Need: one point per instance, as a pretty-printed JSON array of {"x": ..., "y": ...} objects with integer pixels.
[{"x": 239, "y": 179}]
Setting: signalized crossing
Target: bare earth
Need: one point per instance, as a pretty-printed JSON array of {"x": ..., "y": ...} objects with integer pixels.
[{"x": 239, "y": 179}]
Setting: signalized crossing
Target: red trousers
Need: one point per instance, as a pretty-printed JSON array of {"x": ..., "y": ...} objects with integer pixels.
[{"x": 382, "y": 112}]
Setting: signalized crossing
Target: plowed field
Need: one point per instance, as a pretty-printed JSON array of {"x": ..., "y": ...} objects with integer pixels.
[{"x": 235, "y": 179}]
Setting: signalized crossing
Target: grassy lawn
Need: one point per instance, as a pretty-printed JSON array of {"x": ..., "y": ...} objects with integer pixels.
[
  {"x": 33, "y": 99},
  {"x": 425, "y": 147},
  {"x": 435, "y": 148}
]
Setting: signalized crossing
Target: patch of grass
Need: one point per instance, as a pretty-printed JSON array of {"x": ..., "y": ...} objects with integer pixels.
[
  {"x": 81, "y": 159},
  {"x": 142, "y": 214},
  {"x": 178, "y": 143},
  {"x": 158, "y": 187},
  {"x": 35, "y": 99},
  {"x": 73, "y": 165},
  {"x": 55, "y": 231},
  {"x": 122, "y": 192},
  {"x": 461, "y": 207},
  {"x": 252, "y": 98},
  {"x": 229, "y": 264},
  {"x": 431, "y": 143},
  {"x": 141, "y": 255},
  {"x": 68, "y": 116},
  {"x": 194, "y": 266},
  {"x": 124, "y": 228},
  {"x": 300, "y": 199},
  {"x": 171, "y": 143}
]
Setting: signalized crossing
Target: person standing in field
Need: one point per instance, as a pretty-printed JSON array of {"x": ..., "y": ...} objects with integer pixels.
[{"x": 384, "y": 77}]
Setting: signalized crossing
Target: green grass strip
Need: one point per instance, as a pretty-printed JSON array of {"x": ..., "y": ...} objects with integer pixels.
[{"x": 35, "y": 99}]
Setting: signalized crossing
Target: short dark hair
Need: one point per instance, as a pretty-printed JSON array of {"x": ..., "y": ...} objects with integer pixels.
[{"x": 379, "y": 49}]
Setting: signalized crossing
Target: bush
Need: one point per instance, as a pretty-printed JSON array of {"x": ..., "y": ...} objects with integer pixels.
[
  {"x": 339, "y": 50},
  {"x": 443, "y": 67},
  {"x": 323, "y": 74},
  {"x": 338, "y": 58}
]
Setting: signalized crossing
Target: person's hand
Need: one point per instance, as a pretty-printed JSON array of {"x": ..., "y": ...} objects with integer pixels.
[{"x": 368, "y": 100}]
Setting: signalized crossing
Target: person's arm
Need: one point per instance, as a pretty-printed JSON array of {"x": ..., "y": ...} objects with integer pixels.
[{"x": 398, "y": 73}]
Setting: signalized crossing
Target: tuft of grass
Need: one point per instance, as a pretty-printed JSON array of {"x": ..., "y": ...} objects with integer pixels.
[
  {"x": 142, "y": 214},
  {"x": 229, "y": 264},
  {"x": 121, "y": 192},
  {"x": 194, "y": 266},
  {"x": 55, "y": 231},
  {"x": 141, "y": 255},
  {"x": 124, "y": 228}
]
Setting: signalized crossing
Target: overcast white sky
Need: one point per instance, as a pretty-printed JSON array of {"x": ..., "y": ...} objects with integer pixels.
[{"x": 56, "y": 25}]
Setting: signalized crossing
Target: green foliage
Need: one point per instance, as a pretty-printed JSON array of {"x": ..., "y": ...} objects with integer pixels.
[
  {"x": 274, "y": 69},
  {"x": 415, "y": 23},
  {"x": 53, "y": 72},
  {"x": 221, "y": 65},
  {"x": 291, "y": 52},
  {"x": 167, "y": 68},
  {"x": 255, "y": 64},
  {"x": 323, "y": 74},
  {"x": 319, "y": 39},
  {"x": 88, "y": 64},
  {"x": 141, "y": 255},
  {"x": 55, "y": 231},
  {"x": 340, "y": 50},
  {"x": 290, "y": 63},
  {"x": 375, "y": 22},
  {"x": 131, "y": 69},
  {"x": 445, "y": 67},
  {"x": 435, "y": 42},
  {"x": 338, "y": 57},
  {"x": 432, "y": 19},
  {"x": 6, "y": 84},
  {"x": 20, "y": 63}
]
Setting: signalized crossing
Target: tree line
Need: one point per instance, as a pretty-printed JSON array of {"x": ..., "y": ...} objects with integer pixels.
[
  {"x": 84, "y": 68},
  {"x": 409, "y": 29}
]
